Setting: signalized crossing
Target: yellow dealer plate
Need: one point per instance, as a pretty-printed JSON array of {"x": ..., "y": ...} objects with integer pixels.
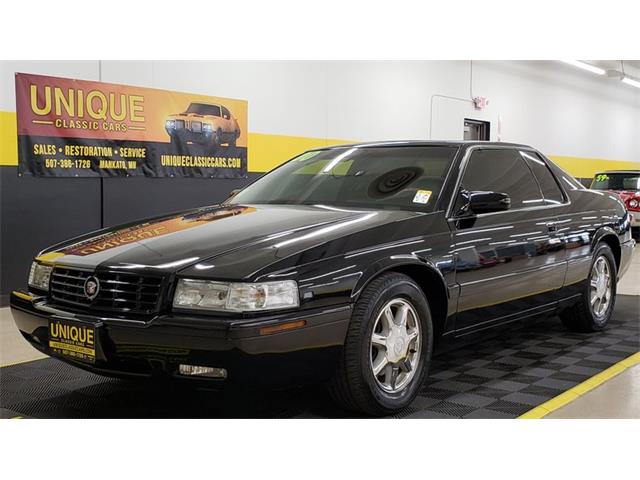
[{"x": 73, "y": 340}]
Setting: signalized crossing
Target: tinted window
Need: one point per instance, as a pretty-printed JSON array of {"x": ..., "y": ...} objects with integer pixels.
[
  {"x": 550, "y": 189},
  {"x": 225, "y": 113},
  {"x": 204, "y": 109},
  {"x": 503, "y": 171},
  {"x": 404, "y": 178}
]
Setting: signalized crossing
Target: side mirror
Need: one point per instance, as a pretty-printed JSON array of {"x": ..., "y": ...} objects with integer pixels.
[{"x": 487, "y": 202}]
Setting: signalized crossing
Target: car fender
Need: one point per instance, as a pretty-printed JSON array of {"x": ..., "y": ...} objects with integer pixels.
[
  {"x": 600, "y": 234},
  {"x": 389, "y": 263}
]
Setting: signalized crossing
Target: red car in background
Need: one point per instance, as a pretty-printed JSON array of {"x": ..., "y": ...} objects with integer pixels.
[{"x": 626, "y": 183}]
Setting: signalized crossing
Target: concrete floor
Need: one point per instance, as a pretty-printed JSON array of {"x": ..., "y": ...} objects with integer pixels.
[
  {"x": 618, "y": 397},
  {"x": 13, "y": 348}
]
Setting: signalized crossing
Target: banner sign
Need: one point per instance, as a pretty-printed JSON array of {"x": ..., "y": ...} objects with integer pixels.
[{"x": 78, "y": 128}]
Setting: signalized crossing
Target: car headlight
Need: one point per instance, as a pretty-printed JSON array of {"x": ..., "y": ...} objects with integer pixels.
[
  {"x": 170, "y": 124},
  {"x": 633, "y": 203},
  {"x": 235, "y": 297},
  {"x": 207, "y": 127},
  {"x": 39, "y": 276}
]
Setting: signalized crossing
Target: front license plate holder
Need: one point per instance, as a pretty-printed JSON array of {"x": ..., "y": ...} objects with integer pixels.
[{"x": 72, "y": 339}]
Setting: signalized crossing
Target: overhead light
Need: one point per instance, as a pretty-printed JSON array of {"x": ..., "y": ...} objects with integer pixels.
[
  {"x": 631, "y": 81},
  {"x": 585, "y": 66}
]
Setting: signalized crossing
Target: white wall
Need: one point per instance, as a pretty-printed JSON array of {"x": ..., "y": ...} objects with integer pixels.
[{"x": 555, "y": 107}]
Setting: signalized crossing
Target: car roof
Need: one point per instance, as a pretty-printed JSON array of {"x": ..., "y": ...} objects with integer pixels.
[
  {"x": 206, "y": 104},
  {"x": 426, "y": 143}
]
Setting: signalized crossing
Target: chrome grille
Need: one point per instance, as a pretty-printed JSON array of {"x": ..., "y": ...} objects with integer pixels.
[
  {"x": 196, "y": 127},
  {"x": 119, "y": 292},
  {"x": 179, "y": 124}
]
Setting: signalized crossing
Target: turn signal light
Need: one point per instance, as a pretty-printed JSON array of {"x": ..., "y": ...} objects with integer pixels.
[{"x": 282, "y": 327}]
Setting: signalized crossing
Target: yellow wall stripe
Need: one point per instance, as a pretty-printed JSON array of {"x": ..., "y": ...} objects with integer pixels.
[
  {"x": 8, "y": 139},
  {"x": 587, "y": 167},
  {"x": 582, "y": 388},
  {"x": 267, "y": 151}
]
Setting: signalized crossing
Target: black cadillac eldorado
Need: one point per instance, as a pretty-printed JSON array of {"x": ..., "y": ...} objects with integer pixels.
[{"x": 345, "y": 265}]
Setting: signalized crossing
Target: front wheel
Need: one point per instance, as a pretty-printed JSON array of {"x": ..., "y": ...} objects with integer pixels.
[
  {"x": 387, "y": 350},
  {"x": 234, "y": 138},
  {"x": 217, "y": 138},
  {"x": 595, "y": 306}
]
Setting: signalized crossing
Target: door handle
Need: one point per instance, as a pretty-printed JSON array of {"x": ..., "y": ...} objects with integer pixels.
[{"x": 552, "y": 227}]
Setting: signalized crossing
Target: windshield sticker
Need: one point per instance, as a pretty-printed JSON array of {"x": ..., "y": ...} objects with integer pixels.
[
  {"x": 307, "y": 156},
  {"x": 422, "y": 196},
  {"x": 603, "y": 177}
]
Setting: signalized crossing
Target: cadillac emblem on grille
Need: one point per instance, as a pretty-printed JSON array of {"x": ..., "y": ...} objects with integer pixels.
[{"x": 91, "y": 288}]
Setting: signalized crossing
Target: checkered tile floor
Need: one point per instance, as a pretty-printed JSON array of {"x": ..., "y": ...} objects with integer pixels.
[{"x": 500, "y": 377}]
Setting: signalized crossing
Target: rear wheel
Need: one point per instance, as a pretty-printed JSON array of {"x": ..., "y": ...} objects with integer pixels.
[
  {"x": 595, "y": 307},
  {"x": 387, "y": 350}
]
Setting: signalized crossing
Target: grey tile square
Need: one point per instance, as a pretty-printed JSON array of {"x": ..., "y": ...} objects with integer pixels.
[
  {"x": 580, "y": 370},
  {"x": 452, "y": 385},
  {"x": 429, "y": 414},
  {"x": 506, "y": 351},
  {"x": 526, "y": 398},
  {"x": 444, "y": 374},
  {"x": 511, "y": 360},
  {"x": 565, "y": 360},
  {"x": 472, "y": 400},
  {"x": 487, "y": 372},
  {"x": 603, "y": 358},
  {"x": 487, "y": 414},
  {"x": 478, "y": 363},
  {"x": 506, "y": 385},
  {"x": 623, "y": 348},
  {"x": 535, "y": 371},
  {"x": 610, "y": 340},
  {"x": 424, "y": 402},
  {"x": 553, "y": 383},
  {"x": 541, "y": 350}
]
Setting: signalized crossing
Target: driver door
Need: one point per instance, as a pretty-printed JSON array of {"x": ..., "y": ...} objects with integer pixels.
[{"x": 508, "y": 264}]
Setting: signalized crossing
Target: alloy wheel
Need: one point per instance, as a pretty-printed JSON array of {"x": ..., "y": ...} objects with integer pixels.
[
  {"x": 601, "y": 286},
  {"x": 395, "y": 345}
]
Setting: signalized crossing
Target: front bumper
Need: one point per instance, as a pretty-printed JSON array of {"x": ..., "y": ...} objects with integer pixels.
[{"x": 159, "y": 346}]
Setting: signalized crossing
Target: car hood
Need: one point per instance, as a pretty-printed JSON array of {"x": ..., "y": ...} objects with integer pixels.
[{"x": 254, "y": 236}]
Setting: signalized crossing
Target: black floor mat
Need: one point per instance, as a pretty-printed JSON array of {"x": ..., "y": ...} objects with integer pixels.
[{"x": 500, "y": 377}]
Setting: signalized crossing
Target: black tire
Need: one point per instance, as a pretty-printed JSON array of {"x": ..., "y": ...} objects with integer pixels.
[
  {"x": 217, "y": 138},
  {"x": 635, "y": 233},
  {"x": 177, "y": 142},
  {"x": 233, "y": 139},
  {"x": 354, "y": 386},
  {"x": 581, "y": 316}
]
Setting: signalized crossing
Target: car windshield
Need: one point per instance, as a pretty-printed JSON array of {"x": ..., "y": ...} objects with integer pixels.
[
  {"x": 396, "y": 178},
  {"x": 616, "y": 181},
  {"x": 203, "y": 109}
]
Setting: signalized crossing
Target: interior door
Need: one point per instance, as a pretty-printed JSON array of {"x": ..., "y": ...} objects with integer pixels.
[{"x": 508, "y": 264}]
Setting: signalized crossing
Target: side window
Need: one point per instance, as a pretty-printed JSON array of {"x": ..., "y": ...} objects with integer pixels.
[
  {"x": 225, "y": 113},
  {"x": 213, "y": 110},
  {"x": 504, "y": 171},
  {"x": 548, "y": 184}
]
